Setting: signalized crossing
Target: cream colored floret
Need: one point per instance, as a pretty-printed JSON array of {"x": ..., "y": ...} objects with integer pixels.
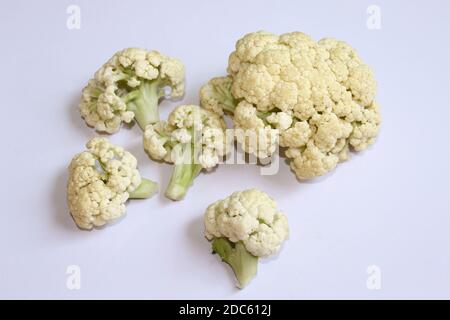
[
  {"x": 254, "y": 136},
  {"x": 185, "y": 123},
  {"x": 102, "y": 105},
  {"x": 319, "y": 95},
  {"x": 100, "y": 180},
  {"x": 216, "y": 95},
  {"x": 250, "y": 216}
]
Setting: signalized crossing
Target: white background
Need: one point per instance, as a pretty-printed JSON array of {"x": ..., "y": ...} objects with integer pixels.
[{"x": 388, "y": 206}]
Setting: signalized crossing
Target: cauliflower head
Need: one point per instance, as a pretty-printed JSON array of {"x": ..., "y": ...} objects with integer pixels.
[
  {"x": 243, "y": 227},
  {"x": 319, "y": 95},
  {"x": 192, "y": 139},
  {"x": 250, "y": 216},
  {"x": 101, "y": 179},
  {"x": 129, "y": 86}
]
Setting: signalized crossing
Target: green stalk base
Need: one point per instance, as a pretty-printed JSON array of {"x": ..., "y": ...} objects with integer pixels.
[
  {"x": 243, "y": 263},
  {"x": 182, "y": 178},
  {"x": 145, "y": 104},
  {"x": 145, "y": 190}
]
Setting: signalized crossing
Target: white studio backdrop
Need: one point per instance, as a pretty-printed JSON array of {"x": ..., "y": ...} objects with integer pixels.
[{"x": 377, "y": 227}]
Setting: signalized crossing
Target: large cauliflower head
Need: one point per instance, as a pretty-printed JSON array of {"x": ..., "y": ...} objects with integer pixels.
[
  {"x": 100, "y": 180},
  {"x": 250, "y": 216},
  {"x": 128, "y": 87},
  {"x": 188, "y": 125},
  {"x": 319, "y": 95}
]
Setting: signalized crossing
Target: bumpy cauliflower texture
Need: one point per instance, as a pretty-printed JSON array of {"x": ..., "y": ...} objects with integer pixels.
[
  {"x": 193, "y": 139},
  {"x": 101, "y": 180},
  {"x": 129, "y": 87},
  {"x": 243, "y": 227},
  {"x": 254, "y": 135},
  {"x": 250, "y": 216},
  {"x": 318, "y": 95}
]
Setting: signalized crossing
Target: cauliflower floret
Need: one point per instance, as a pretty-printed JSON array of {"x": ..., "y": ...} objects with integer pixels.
[
  {"x": 311, "y": 162},
  {"x": 129, "y": 87},
  {"x": 319, "y": 95},
  {"x": 216, "y": 95},
  {"x": 365, "y": 131},
  {"x": 328, "y": 130},
  {"x": 280, "y": 120},
  {"x": 243, "y": 227},
  {"x": 192, "y": 139},
  {"x": 249, "y": 216},
  {"x": 296, "y": 136},
  {"x": 157, "y": 142},
  {"x": 252, "y": 133},
  {"x": 101, "y": 180}
]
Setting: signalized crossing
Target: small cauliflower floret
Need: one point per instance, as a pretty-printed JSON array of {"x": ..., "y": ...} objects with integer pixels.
[
  {"x": 157, "y": 141},
  {"x": 216, "y": 95},
  {"x": 252, "y": 133},
  {"x": 280, "y": 120},
  {"x": 101, "y": 180},
  {"x": 129, "y": 86},
  {"x": 311, "y": 162},
  {"x": 192, "y": 139},
  {"x": 317, "y": 94},
  {"x": 296, "y": 136},
  {"x": 366, "y": 130},
  {"x": 243, "y": 227}
]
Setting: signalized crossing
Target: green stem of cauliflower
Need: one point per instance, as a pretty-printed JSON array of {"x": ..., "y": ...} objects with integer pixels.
[
  {"x": 183, "y": 176},
  {"x": 243, "y": 263},
  {"x": 144, "y": 103},
  {"x": 145, "y": 190},
  {"x": 229, "y": 103}
]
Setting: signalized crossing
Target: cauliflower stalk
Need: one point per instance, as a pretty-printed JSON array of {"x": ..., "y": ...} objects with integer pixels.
[
  {"x": 101, "y": 180},
  {"x": 320, "y": 97},
  {"x": 243, "y": 227},
  {"x": 129, "y": 86},
  {"x": 192, "y": 139}
]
